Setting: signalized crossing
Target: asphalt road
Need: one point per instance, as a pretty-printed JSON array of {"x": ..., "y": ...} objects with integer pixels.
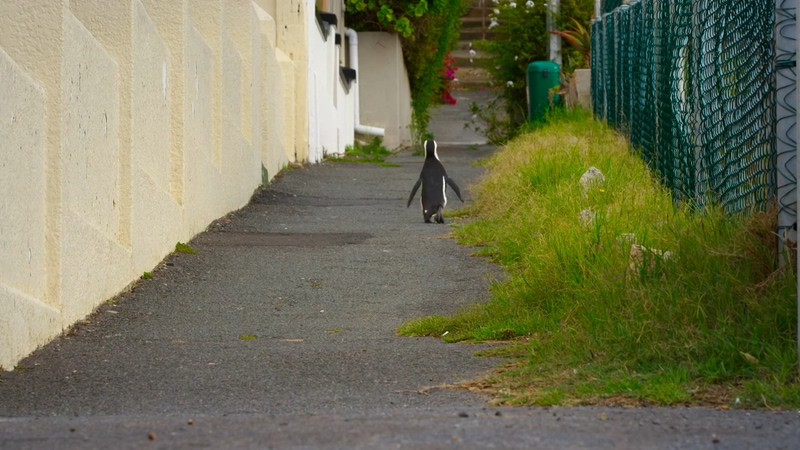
[{"x": 280, "y": 333}]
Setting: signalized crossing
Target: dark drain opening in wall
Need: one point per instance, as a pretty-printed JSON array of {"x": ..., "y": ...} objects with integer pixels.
[{"x": 259, "y": 239}]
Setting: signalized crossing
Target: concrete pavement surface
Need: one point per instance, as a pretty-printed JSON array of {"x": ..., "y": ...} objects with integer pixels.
[{"x": 280, "y": 333}]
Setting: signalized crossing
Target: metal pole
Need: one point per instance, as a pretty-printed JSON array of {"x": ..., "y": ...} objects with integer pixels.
[
  {"x": 786, "y": 146},
  {"x": 797, "y": 218},
  {"x": 555, "y": 40},
  {"x": 785, "y": 107},
  {"x": 797, "y": 179}
]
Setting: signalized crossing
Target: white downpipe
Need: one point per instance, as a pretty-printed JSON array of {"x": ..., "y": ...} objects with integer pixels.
[{"x": 352, "y": 38}]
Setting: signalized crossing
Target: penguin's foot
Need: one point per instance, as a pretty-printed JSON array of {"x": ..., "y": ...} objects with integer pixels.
[{"x": 439, "y": 215}]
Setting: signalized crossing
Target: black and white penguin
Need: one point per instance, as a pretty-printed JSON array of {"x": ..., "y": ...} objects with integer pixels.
[{"x": 434, "y": 181}]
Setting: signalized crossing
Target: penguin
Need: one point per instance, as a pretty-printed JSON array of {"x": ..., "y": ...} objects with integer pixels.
[{"x": 434, "y": 182}]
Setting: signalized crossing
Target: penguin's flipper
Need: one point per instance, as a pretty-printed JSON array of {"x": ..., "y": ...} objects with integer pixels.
[
  {"x": 454, "y": 187},
  {"x": 414, "y": 191}
]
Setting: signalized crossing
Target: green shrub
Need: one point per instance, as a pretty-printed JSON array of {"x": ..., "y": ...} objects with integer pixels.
[
  {"x": 186, "y": 249},
  {"x": 374, "y": 152}
]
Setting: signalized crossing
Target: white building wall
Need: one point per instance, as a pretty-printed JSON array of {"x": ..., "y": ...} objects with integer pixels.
[
  {"x": 345, "y": 107},
  {"x": 326, "y": 119}
]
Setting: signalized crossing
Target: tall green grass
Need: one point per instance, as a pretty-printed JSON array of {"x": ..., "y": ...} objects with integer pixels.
[{"x": 715, "y": 323}]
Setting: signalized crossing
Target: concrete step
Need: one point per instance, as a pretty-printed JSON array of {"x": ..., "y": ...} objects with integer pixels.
[
  {"x": 473, "y": 63},
  {"x": 474, "y": 27},
  {"x": 465, "y": 53},
  {"x": 468, "y": 44},
  {"x": 474, "y": 35},
  {"x": 477, "y": 21},
  {"x": 472, "y": 77},
  {"x": 479, "y": 11},
  {"x": 465, "y": 58}
]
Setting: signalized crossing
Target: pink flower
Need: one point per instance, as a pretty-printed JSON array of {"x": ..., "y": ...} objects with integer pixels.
[{"x": 448, "y": 98}]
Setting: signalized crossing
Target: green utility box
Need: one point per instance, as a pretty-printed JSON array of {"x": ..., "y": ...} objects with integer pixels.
[{"x": 543, "y": 76}]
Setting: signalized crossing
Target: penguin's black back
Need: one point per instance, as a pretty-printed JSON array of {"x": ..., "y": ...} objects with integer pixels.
[{"x": 433, "y": 182}]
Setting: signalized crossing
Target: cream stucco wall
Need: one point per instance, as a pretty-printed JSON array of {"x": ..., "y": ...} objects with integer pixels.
[
  {"x": 128, "y": 126},
  {"x": 292, "y": 38}
]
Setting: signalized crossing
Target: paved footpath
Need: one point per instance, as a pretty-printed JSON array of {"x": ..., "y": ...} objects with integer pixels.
[{"x": 280, "y": 333}]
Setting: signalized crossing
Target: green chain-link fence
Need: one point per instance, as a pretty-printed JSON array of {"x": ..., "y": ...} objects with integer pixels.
[
  {"x": 609, "y": 5},
  {"x": 691, "y": 83}
]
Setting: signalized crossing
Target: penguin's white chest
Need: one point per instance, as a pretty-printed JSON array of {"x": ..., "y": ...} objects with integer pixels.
[{"x": 444, "y": 192}]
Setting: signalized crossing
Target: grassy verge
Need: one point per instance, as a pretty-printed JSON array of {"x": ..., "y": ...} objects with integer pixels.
[
  {"x": 713, "y": 322},
  {"x": 372, "y": 153}
]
